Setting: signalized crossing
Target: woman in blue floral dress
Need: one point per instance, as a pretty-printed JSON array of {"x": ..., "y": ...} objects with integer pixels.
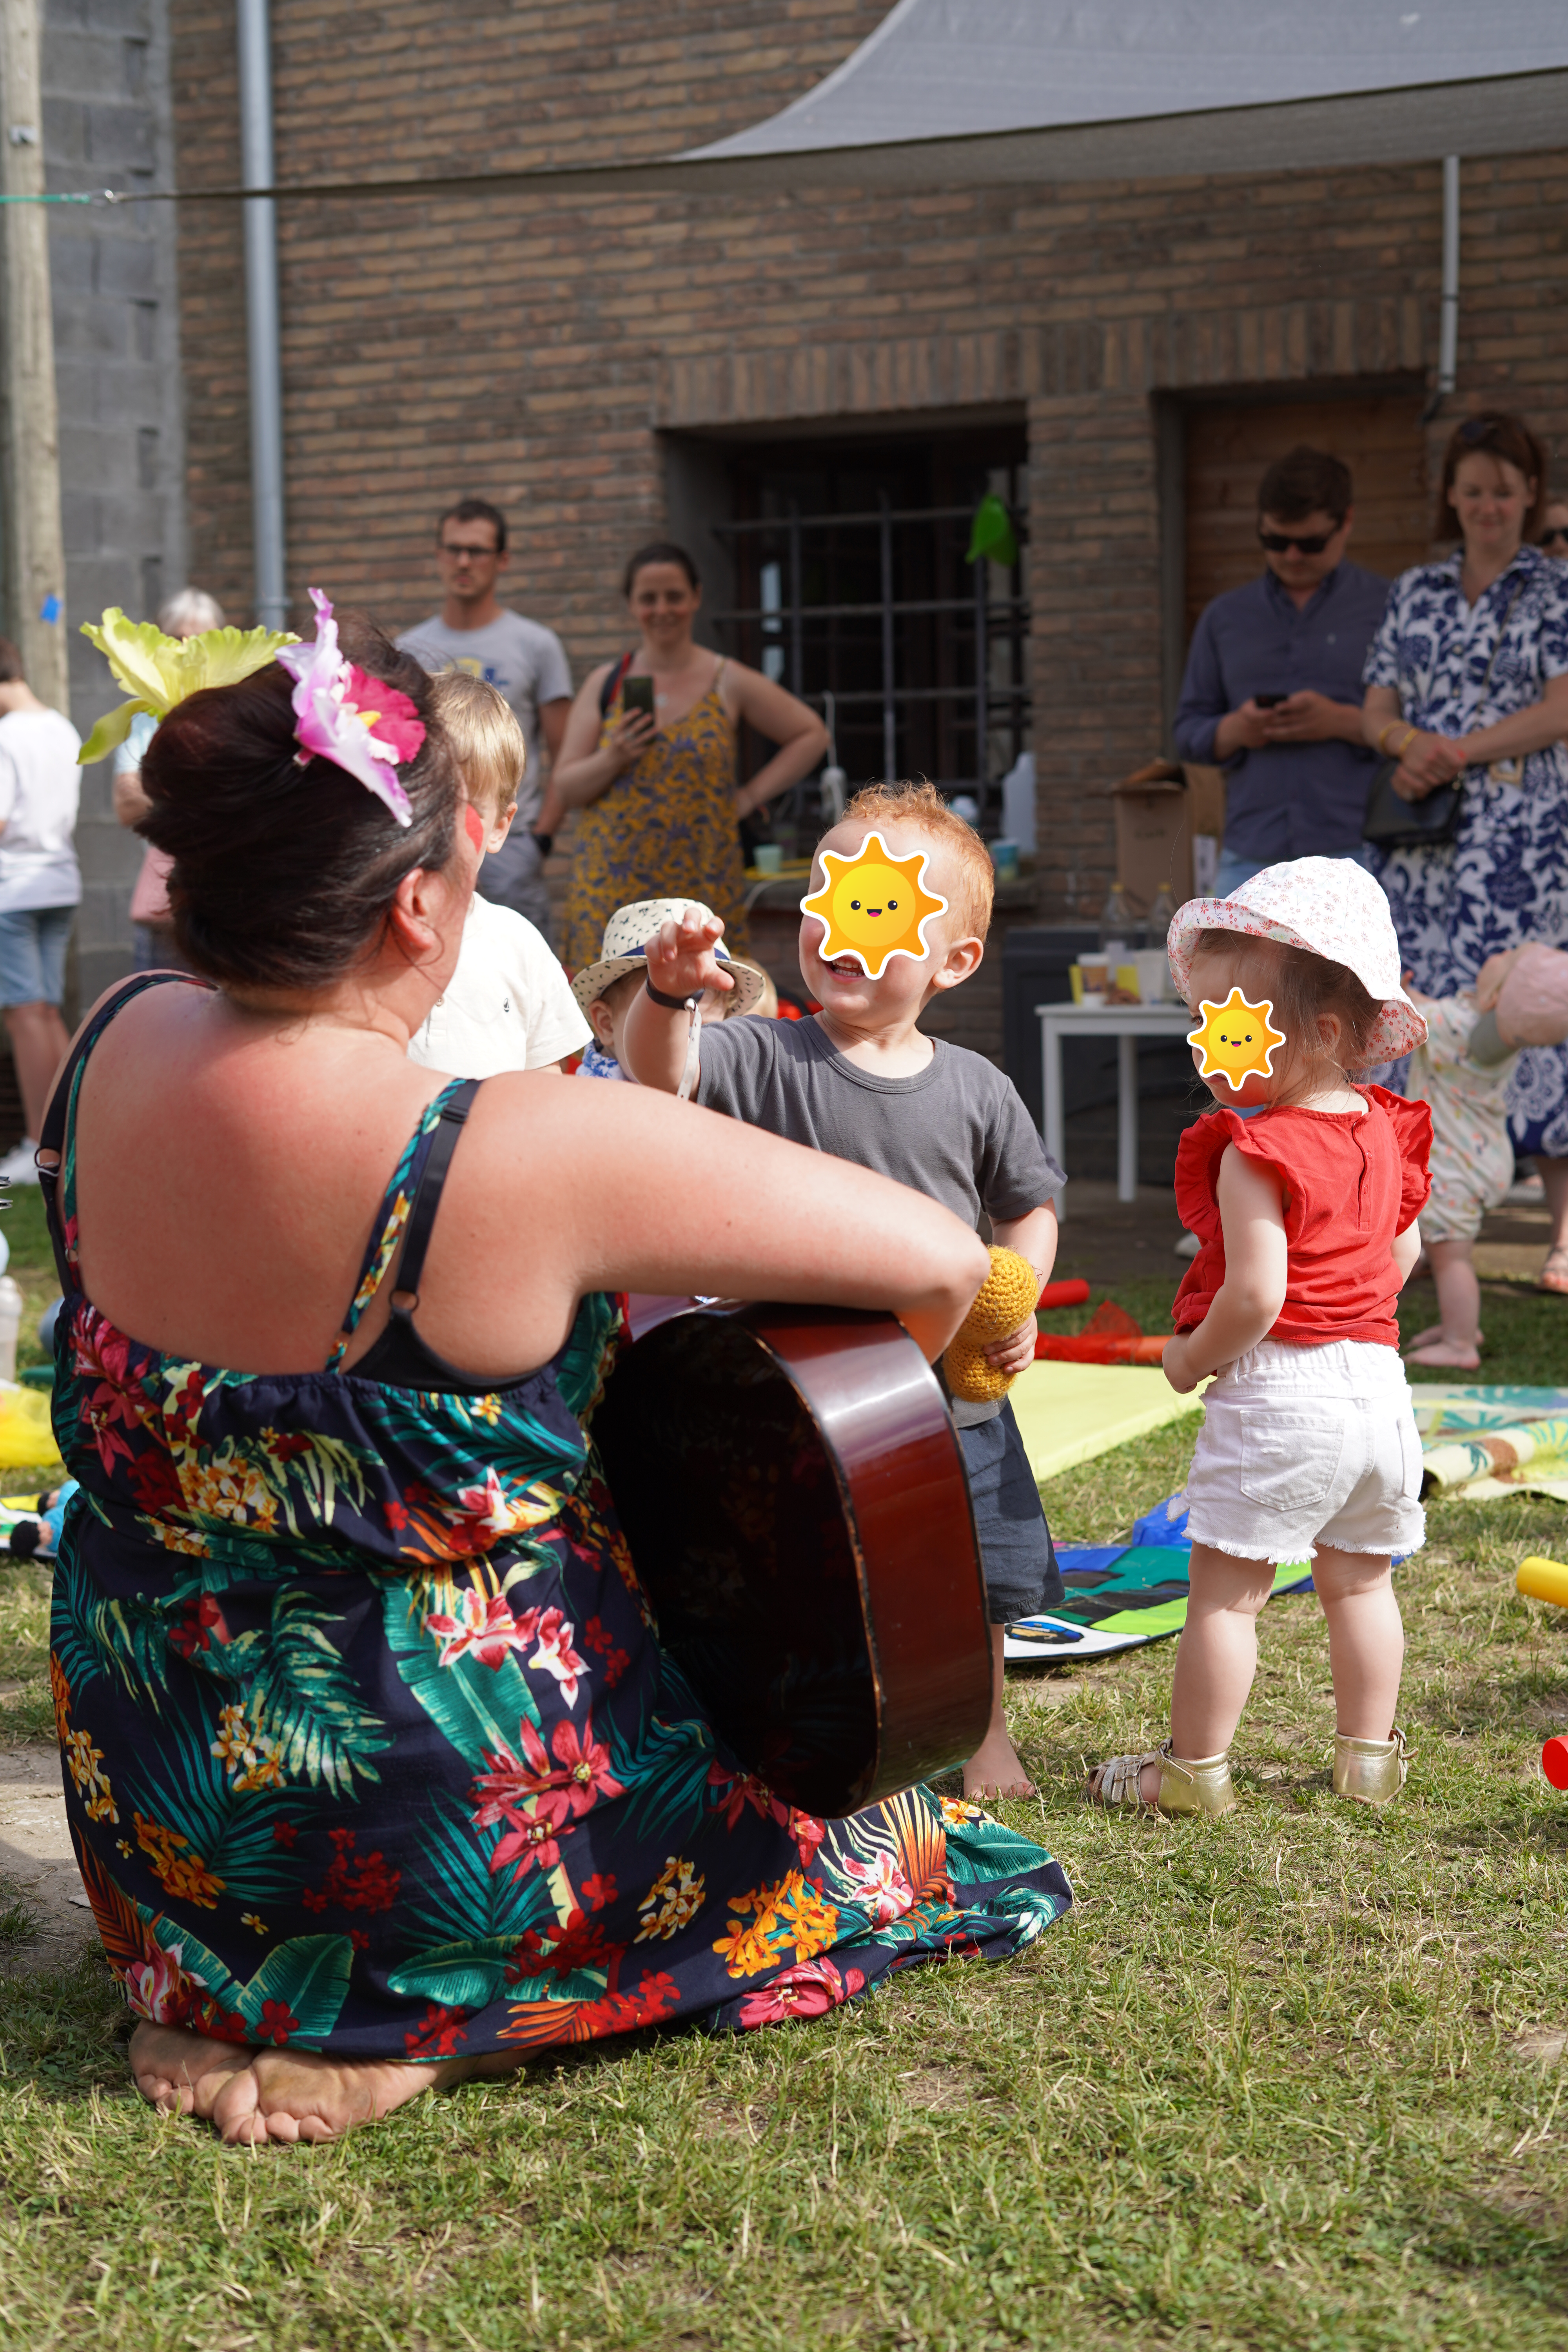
[
  {"x": 376, "y": 1772},
  {"x": 1468, "y": 676}
]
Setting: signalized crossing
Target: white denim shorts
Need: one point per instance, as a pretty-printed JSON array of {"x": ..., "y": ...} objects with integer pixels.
[{"x": 1308, "y": 1445}]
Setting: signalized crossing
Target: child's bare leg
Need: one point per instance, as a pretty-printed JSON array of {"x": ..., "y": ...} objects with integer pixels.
[
  {"x": 994, "y": 1770},
  {"x": 1366, "y": 1640},
  {"x": 1456, "y": 1340},
  {"x": 1215, "y": 1658}
]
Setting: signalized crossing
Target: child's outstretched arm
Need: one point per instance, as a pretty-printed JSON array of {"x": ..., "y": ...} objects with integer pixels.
[
  {"x": 680, "y": 964},
  {"x": 1246, "y": 1305}
]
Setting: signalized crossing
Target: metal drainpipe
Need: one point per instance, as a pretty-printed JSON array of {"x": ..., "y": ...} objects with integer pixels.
[
  {"x": 1448, "y": 331},
  {"x": 262, "y": 317}
]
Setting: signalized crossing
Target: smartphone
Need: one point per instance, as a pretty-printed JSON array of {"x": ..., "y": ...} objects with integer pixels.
[
  {"x": 636, "y": 694},
  {"x": 1264, "y": 701}
]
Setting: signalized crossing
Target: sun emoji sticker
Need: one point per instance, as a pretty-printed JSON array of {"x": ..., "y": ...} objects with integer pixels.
[
  {"x": 1235, "y": 1039},
  {"x": 873, "y": 906}
]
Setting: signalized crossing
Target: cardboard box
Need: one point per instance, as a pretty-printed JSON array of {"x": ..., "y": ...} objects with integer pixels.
[{"x": 1161, "y": 809}]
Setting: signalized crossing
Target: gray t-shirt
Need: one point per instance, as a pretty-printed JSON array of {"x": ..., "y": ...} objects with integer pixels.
[
  {"x": 957, "y": 1130},
  {"x": 527, "y": 663}
]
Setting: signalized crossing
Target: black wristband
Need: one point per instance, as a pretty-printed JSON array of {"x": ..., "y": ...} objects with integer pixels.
[{"x": 670, "y": 1003}]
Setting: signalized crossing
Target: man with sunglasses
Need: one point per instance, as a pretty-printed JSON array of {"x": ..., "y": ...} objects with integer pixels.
[
  {"x": 1272, "y": 691},
  {"x": 474, "y": 631}
]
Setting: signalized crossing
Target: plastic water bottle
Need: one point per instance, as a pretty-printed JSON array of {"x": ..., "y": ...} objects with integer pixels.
[
  {"x": 10, "y": 1324},
  {"x": 1116, "y": 927}
]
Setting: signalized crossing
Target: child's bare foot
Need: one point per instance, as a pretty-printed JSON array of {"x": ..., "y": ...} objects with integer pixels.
[
  {"x": 994, "y": 1770},
  {"x": 252, "y": 2096},
  {"x": 1433, "y": 1333},
  {"x": 1448, "y": 1355}
]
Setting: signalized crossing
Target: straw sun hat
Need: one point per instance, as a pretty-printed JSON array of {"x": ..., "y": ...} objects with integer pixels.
[
  {"x": 1331, "y": 907},
  {"x": 627, "y": 935}
]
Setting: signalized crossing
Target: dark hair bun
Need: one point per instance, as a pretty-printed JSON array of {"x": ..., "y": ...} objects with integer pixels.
[{"x": 283, "y": 875}]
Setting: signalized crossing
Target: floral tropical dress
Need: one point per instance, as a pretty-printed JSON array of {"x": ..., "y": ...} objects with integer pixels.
[
  {"x": 1504, "y": 876},
  {"x": 666, "y": 829},
  {"x": 369, "y": 1745}
]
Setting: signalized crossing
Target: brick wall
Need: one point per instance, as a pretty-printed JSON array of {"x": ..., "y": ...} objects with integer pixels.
[{"x": 534, "y": 348}]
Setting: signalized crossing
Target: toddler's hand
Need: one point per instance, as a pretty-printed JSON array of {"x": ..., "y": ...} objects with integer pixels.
[
  {"x": 681, "y": 959},
  {"x": 1016, "y": 1352},
  {"x": 1176, "y": 1366}
]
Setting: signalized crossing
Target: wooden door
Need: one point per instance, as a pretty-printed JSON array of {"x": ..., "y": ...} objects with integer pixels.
[{"x": 1229, "y": 444}]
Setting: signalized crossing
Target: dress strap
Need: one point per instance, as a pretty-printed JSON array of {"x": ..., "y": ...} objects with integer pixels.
[
  {"x": 56, "y": 1172},
  {"x": 409, "y": 1204}
]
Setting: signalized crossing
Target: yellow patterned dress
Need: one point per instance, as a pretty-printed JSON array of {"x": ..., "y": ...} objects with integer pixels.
[{"x": 666, "y": 829}]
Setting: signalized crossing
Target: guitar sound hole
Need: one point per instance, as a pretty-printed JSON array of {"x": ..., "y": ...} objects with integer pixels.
[{"x": 733, "y": 1514}]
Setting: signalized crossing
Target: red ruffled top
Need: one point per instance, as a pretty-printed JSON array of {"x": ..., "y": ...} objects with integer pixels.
[{"x": 1351, "y": 1181}]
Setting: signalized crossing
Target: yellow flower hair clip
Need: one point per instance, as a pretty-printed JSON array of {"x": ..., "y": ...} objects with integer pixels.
[{"x": 159, "y": 671}]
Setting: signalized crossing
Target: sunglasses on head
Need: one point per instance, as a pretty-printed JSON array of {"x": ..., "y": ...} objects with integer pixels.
[{"x": 1276, "y": 541}]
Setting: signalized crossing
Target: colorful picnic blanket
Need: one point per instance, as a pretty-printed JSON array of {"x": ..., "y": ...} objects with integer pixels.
[
  {"x": 1118, "y": 1597},
  {"x": 1481, "y": 1442}
]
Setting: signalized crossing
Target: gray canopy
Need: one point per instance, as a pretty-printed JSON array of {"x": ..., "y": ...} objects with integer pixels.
[{"x": 1090, "y": 89}]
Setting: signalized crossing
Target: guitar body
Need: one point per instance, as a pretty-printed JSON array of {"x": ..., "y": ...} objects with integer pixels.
[{"x": 794, "y": 1494}]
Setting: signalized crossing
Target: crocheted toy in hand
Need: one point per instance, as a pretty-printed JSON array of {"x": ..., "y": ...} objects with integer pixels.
[{"x": 1006, "y": 1299}]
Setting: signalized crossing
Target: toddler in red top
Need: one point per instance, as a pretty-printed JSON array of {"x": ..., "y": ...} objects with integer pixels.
[{"x": 1303, "y": 1188}]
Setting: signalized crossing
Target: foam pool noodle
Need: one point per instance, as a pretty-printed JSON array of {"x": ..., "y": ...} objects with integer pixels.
[
  {"x": 1547, "y": 1580},
  {"x": 1006, "y": 1299}
]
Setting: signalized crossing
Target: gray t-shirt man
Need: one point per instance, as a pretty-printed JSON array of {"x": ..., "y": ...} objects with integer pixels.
[
  {"x": 527, "y": 663},
  {"x": 957, "y": 1131}
]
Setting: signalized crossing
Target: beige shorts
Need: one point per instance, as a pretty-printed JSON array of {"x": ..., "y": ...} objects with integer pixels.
[{"x": 1308, "y": 1445}]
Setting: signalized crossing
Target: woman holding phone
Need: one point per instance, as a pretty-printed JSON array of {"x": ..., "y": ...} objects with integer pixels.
[{"x": 649, "y": 760}]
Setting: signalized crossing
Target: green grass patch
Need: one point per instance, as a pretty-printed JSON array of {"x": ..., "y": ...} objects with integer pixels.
[
  {"x": 1291, "y": 2082},
  {"x": 27, "y": 1711},
  {"x": 32, "y": 1267}
]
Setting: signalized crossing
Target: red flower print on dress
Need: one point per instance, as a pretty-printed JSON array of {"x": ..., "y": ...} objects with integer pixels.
[
  {"x": 158, "y": 1988},
  {"x": 529, "y": 1798},
  {"x": 600, "y": 1892},
  {"x": 484, "y": 1625},
  {"x": 882, "y": 1888},
  {"x": 567, "y": 1945},
  {"x": 154, "y": 1481},
  {"x": 359, "y": 1882},
  {"x": 809, "y": 1989},
  {"x": 556, "y": 1654},
  {"x": 585, "y": 1772},
  {"x": 284, "y": 1834},
  {"x": 746, "y": 1789},
  {"x": 438, "y": 2033},
  {"x": 277, "y": 2021},
  {"x": 200, "y": 1628},
  {"x": 604, "y": 1644}
]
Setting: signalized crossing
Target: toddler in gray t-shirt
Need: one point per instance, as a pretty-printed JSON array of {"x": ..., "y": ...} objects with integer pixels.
[{"x": 861, "y": 1080}]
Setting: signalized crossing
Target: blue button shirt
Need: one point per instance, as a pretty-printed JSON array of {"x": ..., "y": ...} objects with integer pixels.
[{"x": 1288, "y": 799}]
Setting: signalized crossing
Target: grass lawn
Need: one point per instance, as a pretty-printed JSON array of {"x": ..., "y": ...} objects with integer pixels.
[{"x": 1293, "y": 2081}]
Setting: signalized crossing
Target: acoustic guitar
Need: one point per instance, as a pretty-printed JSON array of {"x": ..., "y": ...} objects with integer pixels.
[{"x": 794, "y": 1494}]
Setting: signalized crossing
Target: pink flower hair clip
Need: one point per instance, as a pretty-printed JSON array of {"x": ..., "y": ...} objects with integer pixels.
[{"x": 357, "y": 722}]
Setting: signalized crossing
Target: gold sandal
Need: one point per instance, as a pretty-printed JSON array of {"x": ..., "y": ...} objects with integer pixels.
[
  {"x": 1188, "y": 1784},
  {"x": 1371, "y": 1771}
]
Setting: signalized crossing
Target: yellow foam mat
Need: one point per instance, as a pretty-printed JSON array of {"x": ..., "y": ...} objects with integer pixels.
[{"x": 1072, "y": 1413}]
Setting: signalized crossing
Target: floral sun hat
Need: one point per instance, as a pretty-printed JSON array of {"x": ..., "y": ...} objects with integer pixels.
[
  {"x": 627, "y": 935},
  {"x": 1331, "y": 907}
]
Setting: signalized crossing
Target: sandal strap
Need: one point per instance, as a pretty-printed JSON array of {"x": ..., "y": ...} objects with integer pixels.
[{"x": 1115, "y": 1782}]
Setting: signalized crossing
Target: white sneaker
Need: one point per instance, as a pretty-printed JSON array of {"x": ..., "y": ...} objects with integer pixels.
[
  {"x": 1188, "y": 1246},
  {"x": 16, "y": 1167}
]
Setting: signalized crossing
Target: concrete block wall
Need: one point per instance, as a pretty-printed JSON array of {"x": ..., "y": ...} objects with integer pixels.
[
  {"x": 536, "y": 349},
  {"x": 108, "y": 123}
]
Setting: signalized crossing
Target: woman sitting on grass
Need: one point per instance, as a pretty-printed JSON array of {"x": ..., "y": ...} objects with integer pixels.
[{"x": 377, "y": 1775}]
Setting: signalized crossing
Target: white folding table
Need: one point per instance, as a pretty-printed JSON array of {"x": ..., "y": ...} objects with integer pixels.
[{"x": 1126, "y": 1024}]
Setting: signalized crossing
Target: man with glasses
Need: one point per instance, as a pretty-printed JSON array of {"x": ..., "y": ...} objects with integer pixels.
[
  {"x": 474, "y": 631},
  {"x": 1272, "y": 691}
]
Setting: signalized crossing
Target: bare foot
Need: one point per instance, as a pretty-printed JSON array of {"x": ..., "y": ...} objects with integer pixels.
[
  {"x": 993, "y": 1770},
  {"x": 253, "y": 2095},
  {"x": 1433, "y": 1334},
  {"x": 1447, "y": 1355},
  {"x": 173, "y": 2069}
]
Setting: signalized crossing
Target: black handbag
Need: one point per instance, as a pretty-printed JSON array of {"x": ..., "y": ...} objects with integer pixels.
[{"x": 1394, "y": 823}]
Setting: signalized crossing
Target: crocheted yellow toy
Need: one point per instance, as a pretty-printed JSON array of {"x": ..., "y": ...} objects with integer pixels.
[{"x": 1006, "y": 1298}]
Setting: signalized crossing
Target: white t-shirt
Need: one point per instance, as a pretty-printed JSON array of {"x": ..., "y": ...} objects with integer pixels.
[
  {"x": 40, "y": 788},
  {"x": 507, "y": 1007}
]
